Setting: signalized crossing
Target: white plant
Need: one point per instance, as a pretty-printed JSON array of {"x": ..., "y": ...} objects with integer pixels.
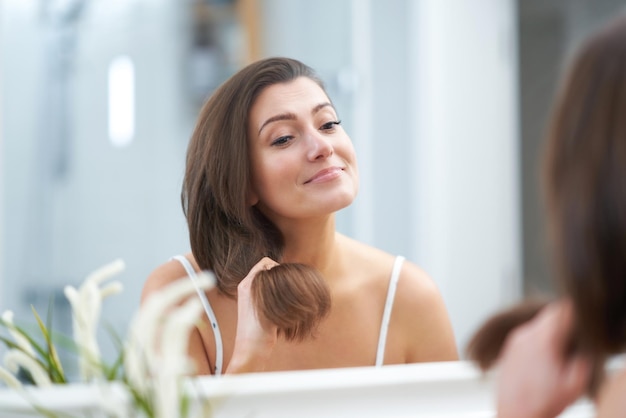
[
  {"x": 22, "y": 356},
  {"x": 16, "y": 359},
  {"x": 10, "y": 380},
  {"x": 86, "y": 302},
  {"x": 21, "y": 341},
  {"x": 156, "y": 352}
]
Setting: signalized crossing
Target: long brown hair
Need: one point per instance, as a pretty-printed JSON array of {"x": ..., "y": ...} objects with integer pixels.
[
  {"x": 227, "y": 234},
  {"x": 585, "y": 192},
  {"x": 292, "y": 296},
  {"x": 585, "y": 179}
]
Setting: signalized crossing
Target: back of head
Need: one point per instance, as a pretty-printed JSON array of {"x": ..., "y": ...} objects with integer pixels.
[
  {"x": 227, "y": 234},
  {"x": 585, "y": 185}
]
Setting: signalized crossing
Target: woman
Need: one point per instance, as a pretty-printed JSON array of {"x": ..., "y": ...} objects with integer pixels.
[
  {"x": 268, "y": 166},
  {"x": 549, "y": 362}
]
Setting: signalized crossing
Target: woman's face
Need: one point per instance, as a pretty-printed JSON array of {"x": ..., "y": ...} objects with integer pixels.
[{"x": 303, "y": 162}]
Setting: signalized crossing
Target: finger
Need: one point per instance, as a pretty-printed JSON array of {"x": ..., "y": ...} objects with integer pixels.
[
  {"x": 576, "y": 377},
  {"x": 545, "y": 330},
  {"x": 556, "y": 320},
  {"x": 563, "y": 319},
  {"x": 265, "y": 263}
]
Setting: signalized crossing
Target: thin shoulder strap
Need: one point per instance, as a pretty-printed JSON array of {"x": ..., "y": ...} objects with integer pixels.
[
  {"x": 391, "y": 292},
  {"x": 219, "y": 350}
]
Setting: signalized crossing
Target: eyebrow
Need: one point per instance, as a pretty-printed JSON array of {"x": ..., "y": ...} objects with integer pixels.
[{"x": 292, "y": 116}]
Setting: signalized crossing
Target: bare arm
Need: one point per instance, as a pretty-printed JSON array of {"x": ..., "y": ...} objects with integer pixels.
[
  {"x": 254, "y": 338},
  {"x": 162, "y": 276}
]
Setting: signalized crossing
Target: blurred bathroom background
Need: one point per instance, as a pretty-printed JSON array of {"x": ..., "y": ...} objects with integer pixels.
[{"x": 445, "y": 101}]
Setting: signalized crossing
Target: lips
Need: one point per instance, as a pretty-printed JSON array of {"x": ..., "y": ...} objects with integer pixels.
[{"x": 326, "y": 174}]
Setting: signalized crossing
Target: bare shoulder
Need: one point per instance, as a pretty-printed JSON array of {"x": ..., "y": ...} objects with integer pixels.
[
  {"x": 416, "y": 289},
  {"x": 421, "y": 314},
  {"x": 163, "y": 275},
  {"x": 380, "y": 263},
  {"x": 419, "y": 319},
  {"x": 415, "y": 283},
  {"x": 612, "y": 402}
]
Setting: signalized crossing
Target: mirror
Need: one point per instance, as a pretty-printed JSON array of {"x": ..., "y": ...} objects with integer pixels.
[{"x": 99, "y": 99}]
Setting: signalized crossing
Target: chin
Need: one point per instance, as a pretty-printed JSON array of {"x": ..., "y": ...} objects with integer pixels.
[{"x": 341, "y": 202}]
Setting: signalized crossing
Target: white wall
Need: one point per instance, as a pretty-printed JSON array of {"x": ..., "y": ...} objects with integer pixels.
[
  {"x": 111, "y": 202},
  {"x": 19, "y": 34},
  {"x": 465, "y": 154}
]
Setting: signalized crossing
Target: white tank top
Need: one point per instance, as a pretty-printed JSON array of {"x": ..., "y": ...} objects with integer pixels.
[{"x": 219, "y": 348}]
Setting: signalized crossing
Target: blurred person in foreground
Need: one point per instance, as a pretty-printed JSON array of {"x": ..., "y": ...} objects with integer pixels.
[{"x": 557, "y": 350}]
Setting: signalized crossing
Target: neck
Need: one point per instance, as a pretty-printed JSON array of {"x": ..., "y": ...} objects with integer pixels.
[{"x": 314, "y": 244}]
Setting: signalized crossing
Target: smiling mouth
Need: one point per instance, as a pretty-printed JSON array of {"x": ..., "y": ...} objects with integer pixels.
[{"x": 325, "y": 175}]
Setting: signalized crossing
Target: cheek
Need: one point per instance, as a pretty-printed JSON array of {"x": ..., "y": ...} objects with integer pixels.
[
  {"x": 348, "y": 153},
  {"x": 269, "y": 178}
]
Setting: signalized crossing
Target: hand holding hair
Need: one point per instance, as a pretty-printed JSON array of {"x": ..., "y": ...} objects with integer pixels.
[
  {"x": 488, "y": 346},
  {"x": 293, "y": 297},
  {"x": 276, "y": 300},
  {"x": 536, "y": 376}
]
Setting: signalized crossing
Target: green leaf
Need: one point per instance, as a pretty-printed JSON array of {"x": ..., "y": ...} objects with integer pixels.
[
  {"x": 26, "y": 335},
  {"x": 10, "y": 344},
  {"x": 63, "y": 341},
  {"x": 116, "y": 368},
  {"x": 111, "y": 373},
  {"x": 144, "y": 404},
  {"x": 55, "y": 369},
  {"x": 185, "y": 403}
]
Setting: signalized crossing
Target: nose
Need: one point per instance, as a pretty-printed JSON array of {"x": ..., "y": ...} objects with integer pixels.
[{"x": 320, "y": 147}]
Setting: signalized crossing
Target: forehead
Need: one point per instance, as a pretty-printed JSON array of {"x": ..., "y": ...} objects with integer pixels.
[{"x": 299, "y": 95}]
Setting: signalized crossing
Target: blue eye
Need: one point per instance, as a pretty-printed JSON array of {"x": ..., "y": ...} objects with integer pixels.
[
  {"x": 283, "y": 140},
  {"x": 330, "y": 125}
]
